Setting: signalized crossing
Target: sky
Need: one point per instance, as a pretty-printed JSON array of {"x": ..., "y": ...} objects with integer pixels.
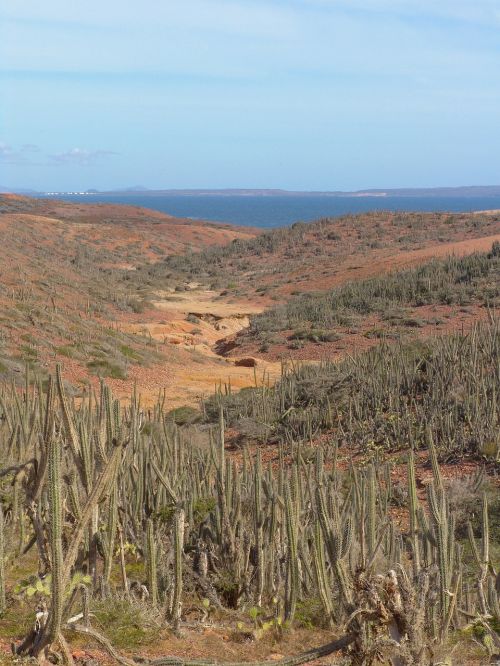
[{"x": 295, "y": 94}]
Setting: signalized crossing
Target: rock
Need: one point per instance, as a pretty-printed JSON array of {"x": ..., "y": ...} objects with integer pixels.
[
  {"x": 246, "y": 362},
  {"x": 78, "y": 654}
]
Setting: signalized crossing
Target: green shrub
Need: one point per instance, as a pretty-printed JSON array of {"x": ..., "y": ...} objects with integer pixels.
[
  {"x": 104, "y": 368},
  {"x": 184, "y": 415},
  {"x": 315, "y": 335},
  {"x": 127, "y": 624},
  {"x": 453, "y": 280}
]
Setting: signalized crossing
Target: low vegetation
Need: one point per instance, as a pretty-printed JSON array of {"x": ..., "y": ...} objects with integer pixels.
[
  {"x": 65, "y": 294},
  {"x": 385, "y": 398},
  {"x": 273, "y": 260},
  {"x": 126, "y": 511},
  {"x": 453, "y": 281},
  {"x": 357, "y": 498}
]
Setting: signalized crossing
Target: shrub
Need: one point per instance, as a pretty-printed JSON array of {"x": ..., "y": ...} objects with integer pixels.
[
  {"x": 447, "y": 281},
  {"x": 315, "y": 335},
  {"x": 104, "y": 368},
  {"x": 184, "y": 415},
  {"x": 127, "y": 624}
]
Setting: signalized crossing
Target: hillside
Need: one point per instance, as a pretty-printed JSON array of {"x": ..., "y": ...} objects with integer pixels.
[
  {"x": 325, "y": 253},
  {"x": 438, "y": 296},
  {"x": 293, "y": 454},
  {"x": 61, "y": 297},
  {"x": 138, "y": 297},
  {"x": 281, "y": 268},
  {"x": 351, "y": 499}
]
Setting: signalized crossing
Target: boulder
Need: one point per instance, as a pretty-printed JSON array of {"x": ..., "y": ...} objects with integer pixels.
[{"x": 246, "y": 362}]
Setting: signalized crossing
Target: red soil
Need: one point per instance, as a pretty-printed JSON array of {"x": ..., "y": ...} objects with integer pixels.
[{"x": 56, "y": 288}]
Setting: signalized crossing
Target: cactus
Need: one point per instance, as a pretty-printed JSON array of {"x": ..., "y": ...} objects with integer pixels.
[
  {"x": 371, "y": 510},
  {"x": 56, "y": 550},
  {"x": 111, "y": 533},
  {"x": 2, "y": 562},
  {"x": 338, "y": 539},
  {"x": 123, "y": 570},
  {"x": 321, "y": 574},
  {"x": 292, "y": 579},
  {"x": 413, "y": 512},
  {"x": 298, "y": 529},
  {"x": 178, "y": 552},
  {"x": 258, "y": 522},
  {"x": 439, "y": 511},
  {"x": 152, "y": 568}
]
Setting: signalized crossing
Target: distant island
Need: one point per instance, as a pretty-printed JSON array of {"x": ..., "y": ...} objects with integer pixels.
[{"x": 462, "y": 191}]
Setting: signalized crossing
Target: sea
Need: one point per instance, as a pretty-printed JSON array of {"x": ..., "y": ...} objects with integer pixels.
[{"x": 266, "y": 211}]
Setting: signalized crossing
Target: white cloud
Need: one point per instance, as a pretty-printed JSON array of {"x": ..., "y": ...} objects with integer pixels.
[
  {"x": 250, "y": 39},
  {"x": 80, "y": 156},
  {"x": 30, "y": 154},
  {"x": 5, "y": 150},
  {"x": 243, "y": 17},
  {"x": 22, "y": 155},
  {"x": 478, "y": 11}
]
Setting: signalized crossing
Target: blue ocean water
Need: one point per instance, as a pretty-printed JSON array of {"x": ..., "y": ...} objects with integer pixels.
[{"x": 278, "y": 211}]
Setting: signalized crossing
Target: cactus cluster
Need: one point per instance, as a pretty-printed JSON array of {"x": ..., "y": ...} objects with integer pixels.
[{"x": 94, "y": 481}]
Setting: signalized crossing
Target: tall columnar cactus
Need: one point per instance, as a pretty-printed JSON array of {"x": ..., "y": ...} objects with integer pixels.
[
  {"x": 151, "y": 564},
  {"x": 292, "y": 580},
  {"x": 371, "y": 503},
  {"x": 439, "y": 512},
  {"x": 111, "y": 533},
  {"x": 321, "y": 574},
  {"x": 2, "y": 561},
  {"x": 179, "y": 525},
  {"x": 338, "y": 540},
  {"x": 55, "y": 528},
  {"x": 258, "y": 528},
  {"x": 285, "y": 532},
  {"x": 481, "y": 557},
  {"x": 413, "y": 511},
  {"x": 69, "y": 426},
  {"x": 220, "y": 461},
  {"x": 485, "y": 542},
  {"x": 123, "y": 569}
]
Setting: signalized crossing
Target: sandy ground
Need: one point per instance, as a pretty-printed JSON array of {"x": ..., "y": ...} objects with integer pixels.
[
  {"x": 198, "y": 369},
  {"x": 377, "y": 263},
  {"x": 41, "y": 237}
]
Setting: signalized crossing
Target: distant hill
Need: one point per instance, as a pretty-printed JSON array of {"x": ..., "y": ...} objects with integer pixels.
[
  {"x": 16, "y": 190},
  {"x": 64, "y": 294},
  {"x": 464, "y": 191}
]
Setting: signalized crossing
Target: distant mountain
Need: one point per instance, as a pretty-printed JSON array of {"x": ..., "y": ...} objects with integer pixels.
[
  {"x": 463, "y": 191},
  {"x": 134, "y": 188},
  {"x": 16, "y": 190}
]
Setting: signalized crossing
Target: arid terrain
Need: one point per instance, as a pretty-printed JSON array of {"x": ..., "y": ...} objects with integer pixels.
[
  {"x": 62, "y": 300},
  {"x": 282, "y": 417},
  {"x": 138, "y": 297}
]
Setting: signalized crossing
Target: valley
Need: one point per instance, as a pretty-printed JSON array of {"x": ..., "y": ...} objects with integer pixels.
[
  {"x": 141, "y": 298},
  {"x": 251, "y": 420}
]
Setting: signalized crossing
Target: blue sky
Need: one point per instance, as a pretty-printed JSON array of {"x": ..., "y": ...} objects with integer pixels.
[{"x": 299, "y": 94}]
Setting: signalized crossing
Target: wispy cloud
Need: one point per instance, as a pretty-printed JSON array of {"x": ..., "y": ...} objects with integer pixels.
[
  {"x": 483, "y": 12},
  {"x": 22, "y": 155},
  {"x": 81, "y": 156},
  {"x": 5, "y": 151},
  {"x": 332, "y": 94},
  {"x": 29, "y": 154}
]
